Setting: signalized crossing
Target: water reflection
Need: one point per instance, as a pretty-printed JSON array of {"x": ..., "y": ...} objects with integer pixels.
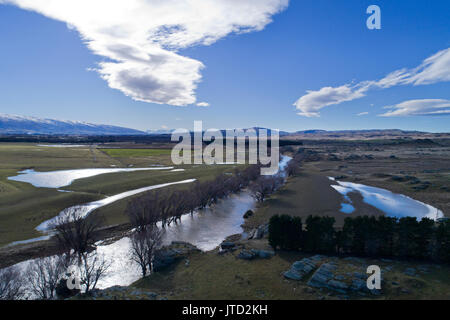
[
  {"x": 63, "y": 178},
  {"x": 206, "y": 229},
  {"x": 393, "y": 204}
]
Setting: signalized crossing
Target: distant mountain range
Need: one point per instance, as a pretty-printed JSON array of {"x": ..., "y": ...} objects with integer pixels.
[
  {"x": 364, "y": 134},
  {"x": 11, "y": 124}
]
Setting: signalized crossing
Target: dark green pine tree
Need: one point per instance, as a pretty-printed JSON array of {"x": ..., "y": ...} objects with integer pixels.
[
  {"x": 441, "y": 246},
  {"x": 320, "y": 235},
  {"x": 275, "y": 231},
  {"x": 424, "y": 239},
  {"x": 387, "y": 235},
  {"x": 406, "y": 244}
]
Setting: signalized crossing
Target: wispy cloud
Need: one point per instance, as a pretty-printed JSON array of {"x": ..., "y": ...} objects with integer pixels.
[
  {"x": 432, "y": 70},
  {"x": 203, "y": 104},
  {"x": 363, "y": 114},
  {"x": 422, "y": 107},
  {"x": 141, "y": 38}
]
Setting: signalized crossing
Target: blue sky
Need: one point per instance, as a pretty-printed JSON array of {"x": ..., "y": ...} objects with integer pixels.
[{"x": 249, "y": 79}]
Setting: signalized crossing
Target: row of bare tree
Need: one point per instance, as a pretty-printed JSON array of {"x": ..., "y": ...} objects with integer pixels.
[
  {"x": 264, "y": 186},
  {"x": 78, "y": 261},
  {"x": 294, "y": 165},
  {"x": 167, "y": 206}
]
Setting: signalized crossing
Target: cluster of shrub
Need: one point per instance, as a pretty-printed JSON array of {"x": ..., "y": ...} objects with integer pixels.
[{"x": 364, "y": 236}]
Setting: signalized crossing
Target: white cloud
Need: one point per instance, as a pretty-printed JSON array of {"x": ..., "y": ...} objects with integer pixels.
[
  {"x": 422, "y": 107},
  {"x": 311, "y": 103},
  {"x": 140, "y": 38},
  {"x": 362, "y": 114},
  {"x": 432, "y": 70},
  {"x": 203, "y": 104}
]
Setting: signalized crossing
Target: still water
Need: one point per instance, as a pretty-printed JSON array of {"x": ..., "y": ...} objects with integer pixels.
[
  {"x": 392, "y": 204},
  {"x": 63, "y": 178}
]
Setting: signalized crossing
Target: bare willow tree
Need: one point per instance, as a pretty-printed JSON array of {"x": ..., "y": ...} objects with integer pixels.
[
  {"x": 201, "y": 194},
  {"x": 216, "y": 189},
  {"x": 43, "y": 275},
  {"x": 11, "y": 284},
  {"x": 92, "y": 268},
  {"x": 264, "y": 186},
  {"x": 144, "y": 210},
  {"x": 232, "y": 184},
  {"x": 181, "y": 204},
  {"x": 248, "y": 175},
  {"x": 190, "y": 201},
  {"x": 76, "y": 231},
  {"x": 293, "y": 167},
  {"x": 168, "y": 205},
  {"x": 76, "y": 234},
  {"x": 144, "y": 243},
  {"x": 165, "y": 205}
]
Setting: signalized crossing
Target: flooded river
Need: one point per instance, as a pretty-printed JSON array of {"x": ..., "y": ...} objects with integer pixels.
[{"x": 206, "y": 229}]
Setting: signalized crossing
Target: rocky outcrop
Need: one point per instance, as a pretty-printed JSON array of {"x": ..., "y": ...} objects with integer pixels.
[
  {"x": 246, "y": 255},
  {"x": 263, "y": 254},
  {"x": 328, "y": 274},
  {"x": 227, "y": 245},
  {"x": 168, "y": 255},
  {"x": 322, "y": 276},
  {"x": 326, "y": 277},
  {"x": 259, "y": 233},
  {"x": 300, "y": 269},
  {"x": 255, "y": 254}
]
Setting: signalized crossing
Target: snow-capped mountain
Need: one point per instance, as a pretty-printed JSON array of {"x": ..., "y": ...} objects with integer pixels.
[
  {"x": 159, "y": 131},
  {"x": 13, "y": 124}
]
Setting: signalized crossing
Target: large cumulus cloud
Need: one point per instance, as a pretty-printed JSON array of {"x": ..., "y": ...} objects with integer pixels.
[{"x": 141, "y": 38}]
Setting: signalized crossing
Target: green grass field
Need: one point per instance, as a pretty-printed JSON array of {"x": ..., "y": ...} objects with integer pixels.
[
  {"x": 124, "y": 153},
  {"x": 23, "y": 206}
]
